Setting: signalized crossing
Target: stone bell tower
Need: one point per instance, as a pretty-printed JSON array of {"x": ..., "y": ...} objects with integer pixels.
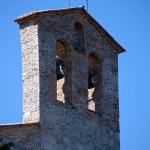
[{"x": 70, "y": 80}]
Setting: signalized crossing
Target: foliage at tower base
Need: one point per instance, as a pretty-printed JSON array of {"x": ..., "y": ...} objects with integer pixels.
[{"x": 8, "y": 146}]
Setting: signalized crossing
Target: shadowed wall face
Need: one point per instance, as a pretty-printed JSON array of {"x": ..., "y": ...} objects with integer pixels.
[{"x": 72, "y": 109}]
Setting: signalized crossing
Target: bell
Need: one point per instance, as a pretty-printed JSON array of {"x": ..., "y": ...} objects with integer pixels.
[
  {"x": 91, "y": 80},
  {"x": 59, "y": 71}
]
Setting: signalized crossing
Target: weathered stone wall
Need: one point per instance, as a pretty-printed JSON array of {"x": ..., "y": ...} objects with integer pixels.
[
  {"x": 69, "y": 124},
  {"x": 23, "y": 136},
  {"x": 30, "y": 71}
]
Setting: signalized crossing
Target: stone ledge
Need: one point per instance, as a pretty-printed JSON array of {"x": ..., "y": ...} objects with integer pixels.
[{"x": 18, "y": 124}]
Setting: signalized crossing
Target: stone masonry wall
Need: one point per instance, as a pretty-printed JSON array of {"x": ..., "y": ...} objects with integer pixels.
[
  {"x": 30, "y": 71},
  {"x": 67, "y": 125},
  {"x": 71, "y": 125},
  {"x": 23, "y": 136}
]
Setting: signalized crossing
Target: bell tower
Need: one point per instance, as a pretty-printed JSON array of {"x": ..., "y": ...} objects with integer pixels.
[{"x": 70, "y": 79}]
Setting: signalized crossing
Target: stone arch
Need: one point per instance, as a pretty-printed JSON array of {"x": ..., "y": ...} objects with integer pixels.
[
  {"x": 79, "y": 36},
  {"x": 94, "y": 80},
  {"x": 63, "y": 70},
  {"x": 78, "y": 25}
]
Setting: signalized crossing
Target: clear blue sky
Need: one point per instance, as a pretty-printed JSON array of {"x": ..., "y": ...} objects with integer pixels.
[{"x": 127, "y": 21}]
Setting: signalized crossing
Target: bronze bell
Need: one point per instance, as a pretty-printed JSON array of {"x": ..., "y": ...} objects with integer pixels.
[
  {"x": 59, "y": 71},
  {"x": 91, "y": 79}
]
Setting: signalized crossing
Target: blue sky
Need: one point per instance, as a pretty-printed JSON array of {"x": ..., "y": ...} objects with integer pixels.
[{"x": 127, "y": 21}]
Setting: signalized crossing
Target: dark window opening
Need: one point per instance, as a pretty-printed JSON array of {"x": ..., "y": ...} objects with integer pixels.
[
  {"x": 93, "y": 79},
  {"x": 63, "y": 71},
  {"x": 79, "y": 37}
]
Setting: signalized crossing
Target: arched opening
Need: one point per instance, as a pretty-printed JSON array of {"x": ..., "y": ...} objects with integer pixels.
[
  {"x": 79, "y": 37},
  {"x": 93, "y": 73},
  {"x": 78, "y": 25},
  {"x": 63, "y": 70}
]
